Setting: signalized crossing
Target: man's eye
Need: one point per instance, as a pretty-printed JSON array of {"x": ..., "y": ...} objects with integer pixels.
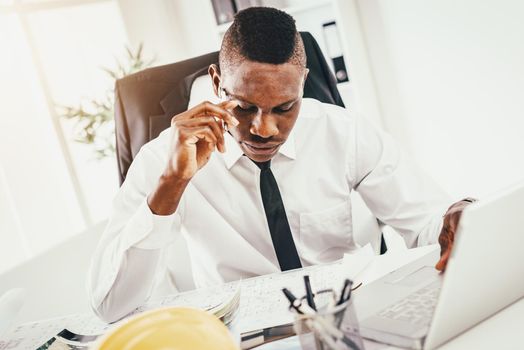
[
  {"x": 283, "y": 109},
  {"x": 244, "y": 108}
]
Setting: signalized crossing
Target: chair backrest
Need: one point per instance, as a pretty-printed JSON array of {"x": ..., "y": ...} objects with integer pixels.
[{"x": 146, "y": 101}]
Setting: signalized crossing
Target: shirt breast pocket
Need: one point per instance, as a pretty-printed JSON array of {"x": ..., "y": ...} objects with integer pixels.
[{"x": 327, "y": 229}]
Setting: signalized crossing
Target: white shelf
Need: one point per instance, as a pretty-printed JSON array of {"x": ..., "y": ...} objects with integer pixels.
[
  {"x": 223, "y": 27},
  {"x": 292, "y": 10}
]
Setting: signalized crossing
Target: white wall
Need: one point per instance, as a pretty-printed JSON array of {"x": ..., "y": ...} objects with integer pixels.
[
  {"x": 450, "y": 83},
  {"x": 171, "y": 30},
  {"x": 357, "y": 61}
]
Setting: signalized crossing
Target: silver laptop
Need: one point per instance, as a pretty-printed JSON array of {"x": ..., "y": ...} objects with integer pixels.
[{"x": 420, "y": 308}]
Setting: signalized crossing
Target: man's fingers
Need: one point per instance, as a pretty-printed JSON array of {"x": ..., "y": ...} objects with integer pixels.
[
  {"x": 228, "y": 105},
  {"x": 442, "y": 263},
  {"x": 205, "y": 133},
  {"x": 215, "y": 126},
  {"x": 220, "y": 111},
  {"x": 218, "y": 131},
  {"x": 193, "y": 135},
  {"x": 445, "y": 240},
  {"x": 449, "y": 229}
]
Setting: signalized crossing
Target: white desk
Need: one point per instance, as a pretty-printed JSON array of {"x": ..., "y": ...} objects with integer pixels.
[{"x": 504, "y": 330}]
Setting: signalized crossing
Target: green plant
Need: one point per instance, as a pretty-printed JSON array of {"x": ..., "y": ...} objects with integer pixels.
[{"x": 93, "y": 120}]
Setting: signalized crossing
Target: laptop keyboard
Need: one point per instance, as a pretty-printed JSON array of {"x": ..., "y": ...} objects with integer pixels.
[{"x": 417, "y": 308}]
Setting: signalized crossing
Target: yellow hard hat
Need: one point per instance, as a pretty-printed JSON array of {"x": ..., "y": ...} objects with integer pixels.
[{"x": 174, "y": 328}]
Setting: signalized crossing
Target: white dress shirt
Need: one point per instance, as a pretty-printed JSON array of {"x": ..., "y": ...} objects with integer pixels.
[{"x": 329, "y": 153}]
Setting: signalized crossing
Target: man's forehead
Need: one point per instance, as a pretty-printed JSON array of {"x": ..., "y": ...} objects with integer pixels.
[
  {"x": 244, "y": 67},
  {"x": 284, "y": 79}
]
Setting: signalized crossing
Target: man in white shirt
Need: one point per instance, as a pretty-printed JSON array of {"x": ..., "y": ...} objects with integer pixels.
[{"x": 259, "y": 182}]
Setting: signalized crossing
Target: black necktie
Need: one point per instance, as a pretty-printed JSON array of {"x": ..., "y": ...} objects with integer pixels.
[{"x": 283, "y": 243}]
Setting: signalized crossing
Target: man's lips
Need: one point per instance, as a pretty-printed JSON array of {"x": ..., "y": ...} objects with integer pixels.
[{"x": 262, "y": 149}]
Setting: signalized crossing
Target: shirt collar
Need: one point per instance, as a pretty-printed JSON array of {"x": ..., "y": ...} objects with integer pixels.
[
  {"x": 288, "y": 148},
  {"x": 234, "y": 152}
]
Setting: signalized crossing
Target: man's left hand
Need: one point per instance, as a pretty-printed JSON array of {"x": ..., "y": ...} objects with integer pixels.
[{"x": 447, "y": 235}]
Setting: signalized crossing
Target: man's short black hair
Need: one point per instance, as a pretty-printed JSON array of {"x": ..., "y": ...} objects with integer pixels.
[{"x": 262, "y": 34}]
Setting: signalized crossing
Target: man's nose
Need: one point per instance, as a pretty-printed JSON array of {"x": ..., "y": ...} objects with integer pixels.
[{"x": 264, "y": 125}]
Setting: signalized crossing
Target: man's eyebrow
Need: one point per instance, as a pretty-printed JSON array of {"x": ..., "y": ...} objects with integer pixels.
[
  {"x": 238, "y": 97},
  {"x": 254, "y": 104},
  {"x": 289, "y": 102}
]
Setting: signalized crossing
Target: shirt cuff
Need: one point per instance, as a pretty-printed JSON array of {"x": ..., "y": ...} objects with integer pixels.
[
  {"x": 431, "y": 232},
  {"x": 157, "y": 231}
]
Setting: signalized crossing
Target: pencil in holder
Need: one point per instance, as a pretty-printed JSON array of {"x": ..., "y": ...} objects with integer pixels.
[{"x": 330, "y": 328}]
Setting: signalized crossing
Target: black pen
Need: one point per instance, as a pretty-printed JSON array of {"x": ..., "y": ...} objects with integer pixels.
[
  {"x": 346, "y": 291},
  {"x": 292, "y": 300},
  {"x": 309, "y": 293}
]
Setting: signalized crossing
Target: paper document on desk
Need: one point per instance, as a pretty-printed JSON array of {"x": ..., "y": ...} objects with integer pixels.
[
  {"x": 355, "y": 263},
  {"x": 31, "y": 336},
  {"x": 223, "y": 301},
  {"x": 263, "y": 304},
  {"x": 392, "y": 260}
]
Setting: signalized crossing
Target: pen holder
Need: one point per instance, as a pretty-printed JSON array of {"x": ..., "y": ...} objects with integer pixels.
[{"x": 331, "y": 328}]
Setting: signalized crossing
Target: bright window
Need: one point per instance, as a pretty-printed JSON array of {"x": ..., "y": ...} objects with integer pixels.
[{"x": 50, "y": 186}]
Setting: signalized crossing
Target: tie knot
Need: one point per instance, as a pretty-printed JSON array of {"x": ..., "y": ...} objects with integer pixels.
[{"x": 263, "y": 165}]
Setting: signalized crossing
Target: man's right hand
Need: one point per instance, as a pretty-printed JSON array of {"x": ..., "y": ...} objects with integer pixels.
[{"x": 195, "y": 134}]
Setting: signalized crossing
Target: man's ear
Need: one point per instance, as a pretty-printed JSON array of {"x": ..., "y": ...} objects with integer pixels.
[
  {"x": 306, "y": 72},
  {"x": 214, "y": 73}
]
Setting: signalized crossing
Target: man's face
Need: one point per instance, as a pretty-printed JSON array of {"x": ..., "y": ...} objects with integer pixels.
[{"x": 269, "y": 98}]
